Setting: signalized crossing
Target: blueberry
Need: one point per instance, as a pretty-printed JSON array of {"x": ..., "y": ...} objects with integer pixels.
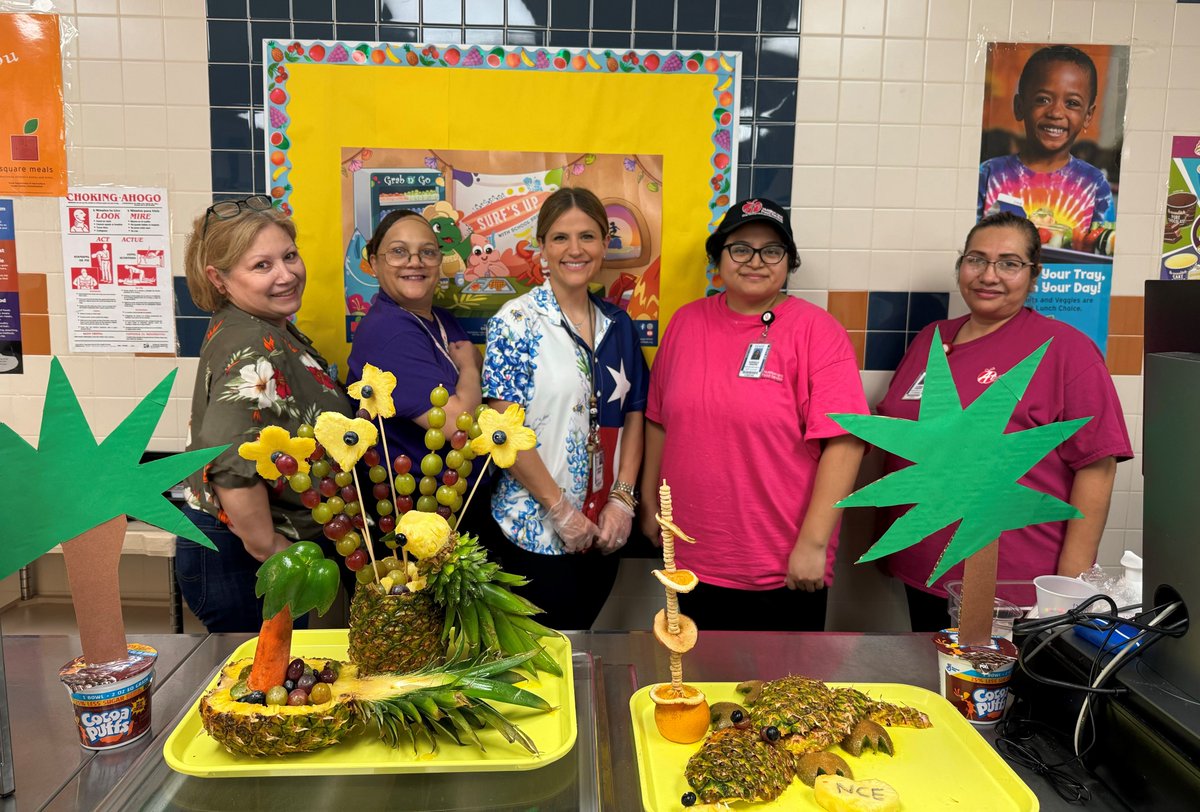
[
  {"x": 499, "y": 437},
  {"x": 367, "y": 391},
  {"x": 770, "y": 733},
  {"x": 255, "y": 698},
  {"x": 350, "y": 438},
  {"x": 688, "y": 799},
  {"x": 290, "y": 684},
  {"x": 327, "y": 675},
  {"x": 736, "y": 717}
]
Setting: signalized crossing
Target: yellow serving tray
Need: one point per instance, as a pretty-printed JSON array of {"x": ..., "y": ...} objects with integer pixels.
[
  {"x": 190, "y": 750},
  {"x": 947, "y": 766}
]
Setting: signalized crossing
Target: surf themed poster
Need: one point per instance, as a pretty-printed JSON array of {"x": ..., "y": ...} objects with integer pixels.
[
  {"x": 1181, "y": 229},
  {"x": 10, "y": 298},
  {"x": 1053, "y": 125},
  {"x": 483, "y": 207}
]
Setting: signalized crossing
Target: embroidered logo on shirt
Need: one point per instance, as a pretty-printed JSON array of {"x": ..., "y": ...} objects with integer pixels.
[
  {"x": 987, "y": 376},
  {"x": 772, "y": 376},
  {"x": 914, "y": 391}
]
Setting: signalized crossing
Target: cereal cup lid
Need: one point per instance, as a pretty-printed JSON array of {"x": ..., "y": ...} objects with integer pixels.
[{"x": 79, "y": 673}]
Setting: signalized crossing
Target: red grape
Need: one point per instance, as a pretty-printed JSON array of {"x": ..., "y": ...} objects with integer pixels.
[
  {"x": 286, "y": 463},
  {"x": 356, "y": 560},
  {"x": 336, "y": 528},
  {"x": 404, "y": 504},
  {"x": 327, "y": 487},
  {"x": 357, "y": 521},
  {"x": 310, "y": 499},
  {"x": 458, "y": 439},
  {"x": 449, "y": 477},
  {"x": 381, "y": 491},
  {"x": 387, "y": 524},
  {"x": 318, "y": 453},
  {"x": 402, "y": 464},
  {"x": 349, "y": 493},
  {"x": 444, "y": 511},
  {"x": 371, "y": 457}
]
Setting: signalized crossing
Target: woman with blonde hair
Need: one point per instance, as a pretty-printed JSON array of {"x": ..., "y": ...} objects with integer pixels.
[{"x": 256, "y": 369}]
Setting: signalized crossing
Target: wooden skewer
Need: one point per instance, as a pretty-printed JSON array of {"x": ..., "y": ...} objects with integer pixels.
[
  {"x": 366, "y": 524},
  {"x": 387, "y": 457}
]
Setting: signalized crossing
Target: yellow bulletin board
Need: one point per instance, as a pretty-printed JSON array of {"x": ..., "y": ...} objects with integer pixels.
[{"x": 326, "y": 97}]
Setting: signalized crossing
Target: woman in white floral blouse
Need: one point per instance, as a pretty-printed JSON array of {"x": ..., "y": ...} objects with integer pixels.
[
  {"x": 575, "y": 363},
  {"x": 256, "y": 369}
]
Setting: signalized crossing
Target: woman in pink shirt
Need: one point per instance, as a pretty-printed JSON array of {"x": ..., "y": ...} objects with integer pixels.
[
  {"x": 737, "y": 425},
  {"x": 996, "y": 273}
]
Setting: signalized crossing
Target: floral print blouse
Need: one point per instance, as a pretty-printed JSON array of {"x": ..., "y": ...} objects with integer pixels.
[{"x": 254, "y": 374}]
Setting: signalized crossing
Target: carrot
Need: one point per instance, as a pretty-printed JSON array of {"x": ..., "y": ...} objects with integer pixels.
[{"x": 273, "y": 653}]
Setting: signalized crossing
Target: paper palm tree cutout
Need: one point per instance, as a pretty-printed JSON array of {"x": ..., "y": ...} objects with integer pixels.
[
  {"x": 946, "y": 483},
  {"x": 73, "y": 489}
]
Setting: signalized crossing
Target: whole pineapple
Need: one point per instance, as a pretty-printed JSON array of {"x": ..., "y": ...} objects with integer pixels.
[
  {"x": 394, "y": 632},
  {"x": 404, "y": 707},
  {"x": 459, "y": 591},
  {"x": 736, "y": 764}
]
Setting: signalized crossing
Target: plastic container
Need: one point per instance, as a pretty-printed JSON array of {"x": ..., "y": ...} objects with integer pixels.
[
  {"x": 111, "y": 700},
  {"x": 1058, "y": 594},
  {"x": 1004, "y": 613},
  {"x": 975, "y": 679}
]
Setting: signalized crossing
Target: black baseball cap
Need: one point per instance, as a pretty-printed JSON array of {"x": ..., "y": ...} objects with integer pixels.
[{"x": 751, "y": 210}]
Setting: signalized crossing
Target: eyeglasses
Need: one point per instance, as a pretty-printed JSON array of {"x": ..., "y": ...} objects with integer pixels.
[
  {"x": 742, "y": 253},
  {"x": 398, "y": 256},
  {"x": 1008, "y": 268},
  {"x": 228, "y": 209}
]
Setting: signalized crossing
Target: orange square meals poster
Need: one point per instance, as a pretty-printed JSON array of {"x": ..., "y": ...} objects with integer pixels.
[{"x": 33, "y": 156}]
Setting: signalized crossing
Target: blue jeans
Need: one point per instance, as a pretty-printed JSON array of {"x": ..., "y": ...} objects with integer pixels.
[{"x": 219, "y": 586}]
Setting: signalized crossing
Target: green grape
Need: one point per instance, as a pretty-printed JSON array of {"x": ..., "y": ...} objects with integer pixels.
[
  {"x": 463, "y": 421},
  {"x": 479, "y": 410},
  {"x": 336, "y": 503},
  {"x": 460, "y": 486},
  {"x": 305, "y": 430},
  {"x": 377, "y": 474},
  {"x": 427, "y": 504},
  {"x": 457, "y": 504},
  {"x": 322, "y": 513},
  {"x": 468, "y": 454},
  {"x": 392, "y": 564},
  {"x": 474, "y": 431},
  {"x": 436, "y": 417},
  {"x": 431, "y": 465},
  {"x": 384, "y": 507},
  {"x": 454, "y": 459},
  {"x": 440, "y": 396},
  {"x": 446, "y": 495},
  {"x": 405, "y": 484},
  {"x": 352, "y": 509},
  {"x": 365, "y": 575},
  {"x": 354, "y": 534},
  {"x": 300, "y": 482},
  {"x": 343, "y": 478},
  {"x": 466, "y": 468},
  {"x": 428, "y": 486},
  {"x": 434, "y": 439},
  {"x": 320, "y": 469},
  {"x": 347, "y": 544}
]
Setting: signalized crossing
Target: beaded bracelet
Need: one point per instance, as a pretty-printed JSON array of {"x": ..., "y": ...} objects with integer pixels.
[{"x": 624, "y": 487}]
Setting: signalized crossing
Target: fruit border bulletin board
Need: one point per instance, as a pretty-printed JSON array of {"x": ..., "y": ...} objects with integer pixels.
[
  {"x": 326, "y": 100},
  {"x": 1078, "y": 231},
  {"x": 33, "y": 154}
]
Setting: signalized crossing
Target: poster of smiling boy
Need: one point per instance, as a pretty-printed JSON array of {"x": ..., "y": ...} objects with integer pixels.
[{"x": 1053, "y": 124}]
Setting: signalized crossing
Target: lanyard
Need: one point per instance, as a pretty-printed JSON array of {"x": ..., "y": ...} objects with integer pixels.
[
  {"x": 442, "y": 347},
  {"x": 593, "y": 437}
]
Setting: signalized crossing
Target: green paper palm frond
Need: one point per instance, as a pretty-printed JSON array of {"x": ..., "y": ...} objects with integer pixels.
[{"x": 70, "y": 483}]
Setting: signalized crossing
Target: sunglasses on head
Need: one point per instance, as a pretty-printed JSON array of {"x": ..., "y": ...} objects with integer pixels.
[{"x": 228, "y": 209}]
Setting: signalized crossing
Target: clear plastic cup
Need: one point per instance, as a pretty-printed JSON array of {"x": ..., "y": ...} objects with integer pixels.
[
  {"x": 1004, "y": 613},
  {"x": 1058, "y": 594}
]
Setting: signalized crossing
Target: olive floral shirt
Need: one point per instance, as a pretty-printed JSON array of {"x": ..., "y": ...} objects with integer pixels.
[{"x": 254, "y": 374}]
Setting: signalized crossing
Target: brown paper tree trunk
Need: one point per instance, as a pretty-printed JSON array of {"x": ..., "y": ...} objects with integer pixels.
[
  {"x": 92, "y": 560},
  {"x": 978, "y": 597}
]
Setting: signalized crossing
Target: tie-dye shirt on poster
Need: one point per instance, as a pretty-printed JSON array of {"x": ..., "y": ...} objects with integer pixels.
[{"x": 1075, "y": 195}]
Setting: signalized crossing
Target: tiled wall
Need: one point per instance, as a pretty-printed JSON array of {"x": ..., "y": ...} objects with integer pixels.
[{"x": 881, "y": 178}]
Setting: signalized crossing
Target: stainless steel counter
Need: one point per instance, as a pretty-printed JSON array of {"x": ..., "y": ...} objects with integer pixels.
[{"x": 53, "y": 772}]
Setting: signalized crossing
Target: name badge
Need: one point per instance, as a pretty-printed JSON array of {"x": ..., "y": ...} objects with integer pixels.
[{"x": 755, "y": 361}]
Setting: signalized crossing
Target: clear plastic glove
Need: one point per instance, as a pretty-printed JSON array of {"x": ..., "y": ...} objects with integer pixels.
[
  {"x": 576, "y": 530},
  {"x": 616, "y": 521}
]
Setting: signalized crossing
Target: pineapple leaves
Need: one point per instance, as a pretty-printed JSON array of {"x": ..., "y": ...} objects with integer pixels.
[{"x": 965, "y": 466}]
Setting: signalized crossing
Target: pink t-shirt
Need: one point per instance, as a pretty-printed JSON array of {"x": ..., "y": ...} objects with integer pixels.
[
  {"x": 1072, "y": 381},
  {"x": 741, "y": 453}
]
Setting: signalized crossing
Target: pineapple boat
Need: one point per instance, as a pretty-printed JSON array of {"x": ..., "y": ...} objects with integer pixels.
[
  {"x": 784, "y": 732},
  {"x": 274, "y": 706}
]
